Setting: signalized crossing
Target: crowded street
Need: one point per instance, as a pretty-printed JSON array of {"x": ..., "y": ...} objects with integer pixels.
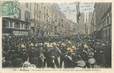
[
  {"x": 27, "y": 52},
  {"x": 56, "y": 35}
]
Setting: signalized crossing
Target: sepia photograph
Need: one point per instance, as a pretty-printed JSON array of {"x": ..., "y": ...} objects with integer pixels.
[{"x": 56, "y": 35}]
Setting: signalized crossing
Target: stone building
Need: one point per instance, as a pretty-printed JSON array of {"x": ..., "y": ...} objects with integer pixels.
[
  {"x": 15, "y": 18},
  {"x": 103, "y": 15}
]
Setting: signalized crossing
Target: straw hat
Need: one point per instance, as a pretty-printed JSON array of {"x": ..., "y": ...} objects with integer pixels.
[
  {"x": 73, "y": 47},
  {"x": 41, "y": 44},
  {"x": 63, "y": 44},
  {"x": 49, "y": 45},
  {"x": 68, "y": 49},
  {"x": 54, "y": 44},
  {"x": 46, "y": 43},
  {"x": 31, "y": 44},
  {"x": 71, "y": 50},
  {"x": 86, "y": 46},
  {"x": 69, "y": 42},
  {"x": 22, "y": 46}
]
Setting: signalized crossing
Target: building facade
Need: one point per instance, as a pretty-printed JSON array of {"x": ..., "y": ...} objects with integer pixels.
[
  {"x": 84, "y": 18},
  {"x": 41, "y": 19},
  {"x": 47, "y": 18},
  {"x": 15, "y": 27},
  {"x": 93, "y": 25},
  {"x": 103, "y": 15},
  {"x": 15, "y": 18}
]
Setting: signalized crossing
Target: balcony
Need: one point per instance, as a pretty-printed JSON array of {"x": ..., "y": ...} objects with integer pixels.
[{"x": 11, "y": 25}]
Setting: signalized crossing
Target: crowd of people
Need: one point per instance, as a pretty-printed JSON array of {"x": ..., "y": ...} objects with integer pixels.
[{"x": 28, "y": 52}]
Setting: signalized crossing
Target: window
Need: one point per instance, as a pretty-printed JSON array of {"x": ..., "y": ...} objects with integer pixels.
[
  {"x": 107, "y": 19},
  {"x": 110, "y": 19},
  {"x": 18, "y": 24},
  {"x": 110, "y": 34},
  {"x": 23, "y": 26},
  {"x": 11, "y": 23},
  {"x": 5, "y": 23},
  {"x": 26, "y": 26},
  {"x": 19, "y": 17},
  {"x": 27, "y": 16}
]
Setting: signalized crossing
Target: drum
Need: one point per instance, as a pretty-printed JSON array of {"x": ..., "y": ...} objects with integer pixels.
[
  {"x": 81, "y": 63},
  {"x": 26, "y": 64},
  {"x": 32, "y": 66},
  {"x": 91, "y": 60}
]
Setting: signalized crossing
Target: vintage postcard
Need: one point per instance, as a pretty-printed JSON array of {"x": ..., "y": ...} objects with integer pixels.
[{"x": 56, "y": 35}]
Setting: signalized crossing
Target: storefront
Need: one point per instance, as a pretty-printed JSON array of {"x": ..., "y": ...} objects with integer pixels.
[{"x": 15, "y": 26}]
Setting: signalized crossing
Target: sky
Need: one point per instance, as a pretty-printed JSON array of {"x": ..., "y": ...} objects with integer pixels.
[{"x": 69, "y": 9}]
